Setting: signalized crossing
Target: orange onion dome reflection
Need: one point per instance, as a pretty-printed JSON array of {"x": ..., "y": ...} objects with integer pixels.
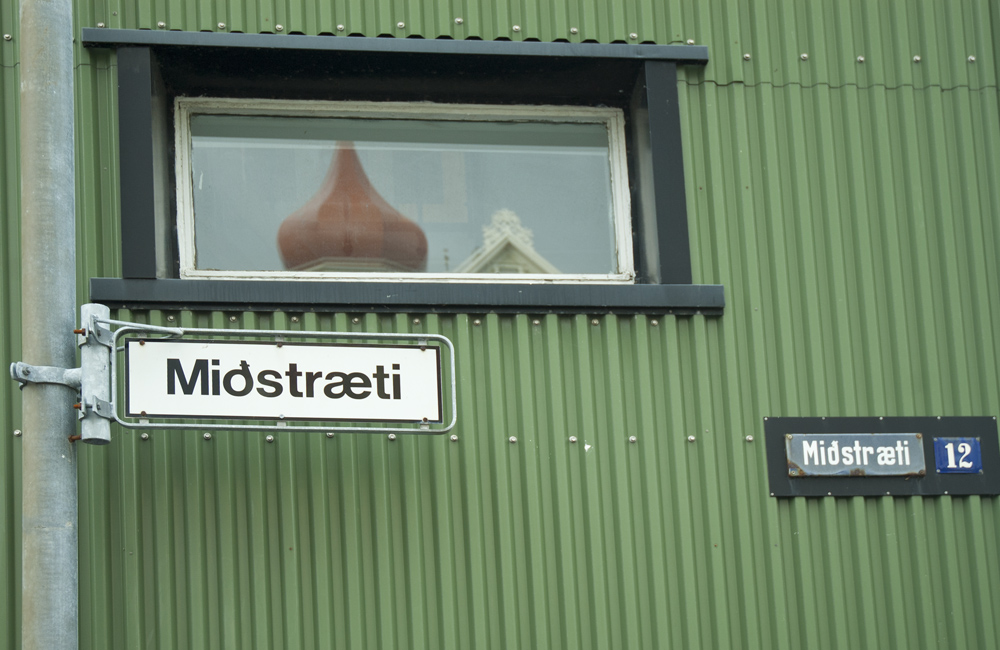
[{"x": 348, "y": 226}]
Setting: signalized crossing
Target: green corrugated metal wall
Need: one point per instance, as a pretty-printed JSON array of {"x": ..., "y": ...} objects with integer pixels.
[{"x": 850, "y": 210}]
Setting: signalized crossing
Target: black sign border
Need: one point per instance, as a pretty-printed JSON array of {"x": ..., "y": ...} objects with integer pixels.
[{"x": 933, "y": 484}]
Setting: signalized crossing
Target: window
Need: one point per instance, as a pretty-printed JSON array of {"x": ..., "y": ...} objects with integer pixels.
[
  {"x": 374, "y": 190},
  {"x": 453, "y": 115}
]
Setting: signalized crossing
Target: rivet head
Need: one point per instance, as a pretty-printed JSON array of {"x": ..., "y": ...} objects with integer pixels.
[
  {"x": 691, "y": 438},
  {"x": 340, "y": 28},
  {"x": 861, "y": 59},
  {"x": 269, "y": 438},
  {"x": 516, "y": 28},
  {"x": 633, "y": 439},
  {"x": 572, "y": 438},
  {"x": 972, "y": 59},
  {"x": 144, "y": 436},
  {"x": 749, "y": 438},
  {"x": 100, "y": 25},
  {"x": 17, "y": 433},
  {"x": 454, "y": 438},
  {"x": 416, "y": 321},
  {"x": 633, "y": 36},
  {"x": 170, "y": 318},
  {"x": 392, "y": 436},
  {"x": 804, "y": 56},
  {"x": 232, "y": 319},
  {"x": 329, "y": 434},
  {"x": 355, "y": 320},
  {"x": 222, "y": 25},
  {"x": 536, "y": 322},
  {"x": 916, "y": 59},
  {"x": 512, "y": 439},
  {"x": 400, "y": 25},
  {"x": 574, "y": 30},
  {"x": 477, "y": 322},
  {"x": 595, "y": 322},
  {"x": 746, "y": 57},
  {"x": 459, "y": 21},
  {"x": 161, "y": 24},
  {"x": 207, "y": 436},
  {"x": 7, "y": 37},
  {"x": 690, "y": 41},
  {"x": 654, "y": 322},
  {"x": 279, "y": 28}
]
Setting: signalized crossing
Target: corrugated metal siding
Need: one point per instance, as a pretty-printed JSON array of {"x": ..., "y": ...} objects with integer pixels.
[
  {"x": 850, "y": 211},
  {"x": 10, "y": 345}
]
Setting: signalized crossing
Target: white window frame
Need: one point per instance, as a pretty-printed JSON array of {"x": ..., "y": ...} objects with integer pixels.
[{"x": 612, "y": 118}]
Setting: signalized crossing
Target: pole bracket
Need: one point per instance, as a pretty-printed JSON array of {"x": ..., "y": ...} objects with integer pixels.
[
  {"x": 99, "y": 407},
  {"x": 26, "y": 373}
]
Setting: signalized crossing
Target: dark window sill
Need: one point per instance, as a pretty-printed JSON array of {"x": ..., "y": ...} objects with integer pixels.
[{"x": 250, "y": 295}]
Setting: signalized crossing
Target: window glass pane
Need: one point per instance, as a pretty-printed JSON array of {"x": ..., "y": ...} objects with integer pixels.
[{"x": 277, "y": 193}]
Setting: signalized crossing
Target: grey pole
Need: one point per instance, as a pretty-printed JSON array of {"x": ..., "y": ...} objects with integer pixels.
[{"x": 49, "y": 599}]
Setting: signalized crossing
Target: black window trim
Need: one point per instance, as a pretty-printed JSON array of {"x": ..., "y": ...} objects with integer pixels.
[{"x": 662, "y": 253}]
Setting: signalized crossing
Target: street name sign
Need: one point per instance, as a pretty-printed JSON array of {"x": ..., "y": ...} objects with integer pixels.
[{"x": 282, "y": 381}]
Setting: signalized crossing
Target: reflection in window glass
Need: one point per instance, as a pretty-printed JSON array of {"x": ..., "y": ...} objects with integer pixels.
[{"x": 280, "y": 193}]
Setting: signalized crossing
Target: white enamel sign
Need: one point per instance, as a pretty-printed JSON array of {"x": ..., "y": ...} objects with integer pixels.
[{"x": 282, "y": 381}]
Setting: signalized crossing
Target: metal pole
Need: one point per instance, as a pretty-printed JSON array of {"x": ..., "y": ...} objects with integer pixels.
[{"x": 49, "y": 602}]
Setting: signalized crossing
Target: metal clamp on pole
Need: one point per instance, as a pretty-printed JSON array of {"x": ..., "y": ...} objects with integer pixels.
[
  {"x": 96, "y": 349},
  {"x": 92, "y": 379}
]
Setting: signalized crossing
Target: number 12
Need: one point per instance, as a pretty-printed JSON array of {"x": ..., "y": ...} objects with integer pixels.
[{"x": 965, "y": 449}]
